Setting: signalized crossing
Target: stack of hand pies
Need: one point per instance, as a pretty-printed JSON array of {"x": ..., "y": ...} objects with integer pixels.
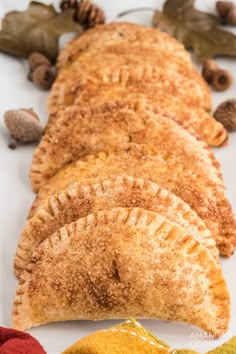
[{"x": 131, "y": 213}]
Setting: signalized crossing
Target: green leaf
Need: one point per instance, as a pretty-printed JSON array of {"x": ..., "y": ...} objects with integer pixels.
[
  {"x": 195, "y": 29},
  {"x": 36, "y": 29},
  {"x": 226, "y": 348}
]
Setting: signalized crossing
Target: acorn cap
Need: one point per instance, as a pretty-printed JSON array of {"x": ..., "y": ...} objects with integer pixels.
[
  {"x": 230, "y": 18},
  {"x": 222, "y": 80},
  {"x": 68, "y": 4},
  {"x": 209, "y": 67},
  {"x": 88, "y": 14},
  {"x": 43, "y": 76},
  {"x": 36, "y": 59},
  {"x": 23, "y": 125},
  {"x": 226, "y": 114},
  {"x": 223, "y": 7}
]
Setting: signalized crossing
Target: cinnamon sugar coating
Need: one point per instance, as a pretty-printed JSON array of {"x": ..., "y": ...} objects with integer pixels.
[
  {"x": 176, "y": 172},
  {"x": 118, "y": 263},
  {"x": 92, "y": 195}
]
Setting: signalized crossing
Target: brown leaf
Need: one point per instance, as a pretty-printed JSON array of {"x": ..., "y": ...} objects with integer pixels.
[
  {"x": 195, "y": 29},
  {"x": 36, "y": 29}
]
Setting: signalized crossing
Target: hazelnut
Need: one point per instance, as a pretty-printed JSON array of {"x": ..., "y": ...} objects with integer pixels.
[
  {"x": 222, "y": 80},
  {"x": 208, "y": 69},
  {"x": 23, "y": 125},
  {"x": 223, "y": 7},
  {"x": 226, "y": 114},
  {"x": 36, "y": 59},
  {"x": 44, "y": 76}
]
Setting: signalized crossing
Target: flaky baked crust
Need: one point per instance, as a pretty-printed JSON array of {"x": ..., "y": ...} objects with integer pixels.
[
  {"x": 168, "y": 73},
  {"x": 121, "y": 33},
  {"x": 100, "y": 242},
  {"x": 77, "y": 132},
  {"x": 92, "y": 195},
  {"x": 186, "y": 178},
  {"x": 195, "y": 119},
  {"x": 122, "y": 263}
]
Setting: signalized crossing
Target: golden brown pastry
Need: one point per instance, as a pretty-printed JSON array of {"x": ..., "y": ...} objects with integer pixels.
[
  {"x": 100, "y": 242},
  {"x": 169, "y": 74},
  {"x": 195, "y": 119},
  {"x": 122, "y": 263},
  {"x": 92, "y": 195},
  {"x": 77, "y": 132},
  {"x": 175, "y": 172},
  {"x": 121, "y": 33}
]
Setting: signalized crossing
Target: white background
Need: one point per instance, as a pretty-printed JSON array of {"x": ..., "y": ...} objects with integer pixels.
[{"x": 16, "y": 195}]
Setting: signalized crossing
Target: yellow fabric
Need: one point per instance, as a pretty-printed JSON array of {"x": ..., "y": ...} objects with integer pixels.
[{"x": 129, "y": 337}]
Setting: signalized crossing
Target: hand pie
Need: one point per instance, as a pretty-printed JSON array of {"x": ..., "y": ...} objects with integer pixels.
[
  {"x": 170, "y": 75},
  {"x": 90, "y": 196},
  {"x": 189, "y": 181},
  {"x": 121, "y": 33},
  {"x": 122, "y": 263},
  {"x": 77, "y": 132},
  {"x": 196, "y": 120}
]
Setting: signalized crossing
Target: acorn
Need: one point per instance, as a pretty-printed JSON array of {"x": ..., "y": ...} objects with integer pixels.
[
  {"x": 222, "y": 80},
  {"x": 223, "y": 7},
  {"x": 36, "y": 59},
  {"x": 208, "y": 69},
  {"x": 225, "y": 113},
  {"x": 44, "y": 76},
  {"x": 88, "y": 14},
  {"x": 23, "y": 125},
  {"x": 227, "y": 12},
  {"x": 230, "y": 18},
  {"x": 12, "y": 144},
  {"x": 68, "y": 4}
]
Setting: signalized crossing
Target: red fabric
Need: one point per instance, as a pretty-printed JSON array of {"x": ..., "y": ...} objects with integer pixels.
[{"x": 12, "y": 341}]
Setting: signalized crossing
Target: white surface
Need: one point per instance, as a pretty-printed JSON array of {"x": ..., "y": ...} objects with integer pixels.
[{"x": 16, "y": 196}]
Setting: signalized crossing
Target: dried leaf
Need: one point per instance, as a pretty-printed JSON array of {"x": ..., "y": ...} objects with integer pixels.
[
  {"x": 195, "y": 29},
  {"x": 36, "y": 29}
]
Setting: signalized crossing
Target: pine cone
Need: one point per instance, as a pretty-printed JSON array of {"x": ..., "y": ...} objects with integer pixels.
[
  {"x": 68, "y": 4},
  {"x": 89, "y": 15}
]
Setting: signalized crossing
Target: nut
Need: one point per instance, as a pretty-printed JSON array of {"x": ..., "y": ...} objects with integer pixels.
[
  {"x": 208, "y": 70},
  {"x": 227, "y": 11},
  {"x": 226, "y": 114},
  {"x": 230, "y": 18},
  {"x": 23, "y": 125},
  {"x": 223, "y": 7},
  {"x": 36, "y": 59},
  {"x": 12, "y": 145},
  {"x": 222, "y": 80},
  {"x": 44, "y": 76},
  {"x": 68, "y": 4}
]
